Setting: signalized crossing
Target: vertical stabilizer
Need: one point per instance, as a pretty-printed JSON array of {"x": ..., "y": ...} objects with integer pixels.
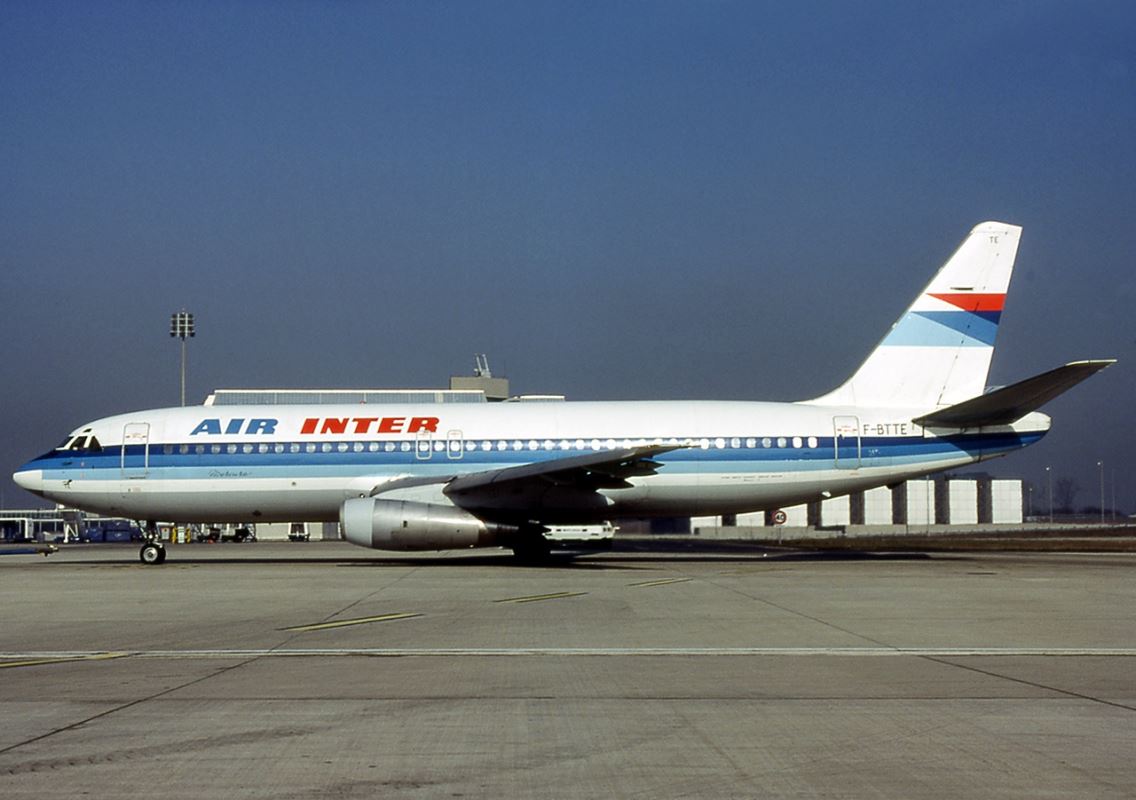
[{"x": 938, "y": 353}]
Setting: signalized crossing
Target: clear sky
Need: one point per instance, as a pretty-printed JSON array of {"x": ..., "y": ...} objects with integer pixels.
[{"x": 611, "y": 199}]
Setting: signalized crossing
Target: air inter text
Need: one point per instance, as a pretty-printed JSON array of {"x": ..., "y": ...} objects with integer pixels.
[{"x": 319, "y": 425}]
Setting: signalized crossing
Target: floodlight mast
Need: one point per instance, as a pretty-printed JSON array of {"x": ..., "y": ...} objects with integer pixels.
[{"x": 182, "y": 327}]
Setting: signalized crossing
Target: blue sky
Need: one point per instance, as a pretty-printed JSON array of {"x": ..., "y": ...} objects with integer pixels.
[{"x": 613, "y": 200}]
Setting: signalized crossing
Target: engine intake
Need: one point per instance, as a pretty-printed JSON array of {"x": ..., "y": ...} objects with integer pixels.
[{"x": 408, "y": 525}]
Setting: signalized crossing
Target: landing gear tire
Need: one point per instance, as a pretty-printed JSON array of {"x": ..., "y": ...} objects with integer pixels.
[
  {"x": 532, "y": 551},
  {"x": 152, "y": 553}
]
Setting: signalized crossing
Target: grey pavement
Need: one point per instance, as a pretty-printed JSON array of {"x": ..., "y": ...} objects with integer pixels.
[{"x": 322, "y": 670}]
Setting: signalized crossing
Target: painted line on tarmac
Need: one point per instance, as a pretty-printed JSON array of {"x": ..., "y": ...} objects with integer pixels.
[
  {"x": 61, "y": 658},
  {"x": 25, "y": 659},
  {"x": 343, "y": 623},
  {"x": 663, "y": 582},
  {"x": 538, "y": 597}
]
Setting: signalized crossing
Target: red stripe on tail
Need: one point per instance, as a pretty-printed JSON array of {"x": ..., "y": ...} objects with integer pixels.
[{"x": 974, "y": 302}]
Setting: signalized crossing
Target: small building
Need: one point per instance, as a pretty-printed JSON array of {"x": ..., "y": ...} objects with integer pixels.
[
  {"x": 836, "y": 511},
  {"x": 918, "y": 503},
  {"x": 878, "y": 506},
  {"x": 1006, "y": 501},
  {"x": 962, "y": 502},
  {"x": 795, "y": 516},
  {"x": 698, "y": 523}
]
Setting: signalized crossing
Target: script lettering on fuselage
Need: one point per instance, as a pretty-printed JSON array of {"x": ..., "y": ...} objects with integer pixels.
[{"x": 361, "y": 425}]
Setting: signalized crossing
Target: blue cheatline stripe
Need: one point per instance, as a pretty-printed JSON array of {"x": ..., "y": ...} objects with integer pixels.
[
  {"x": 874, "y": 451},
  {"x": 945, "y": 329}
]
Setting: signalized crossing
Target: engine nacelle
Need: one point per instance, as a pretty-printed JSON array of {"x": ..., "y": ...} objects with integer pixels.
[{"x": 408, "y": 525}]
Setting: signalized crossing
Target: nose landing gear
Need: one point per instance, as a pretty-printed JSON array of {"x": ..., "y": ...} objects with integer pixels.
[{"x": 152, "y": 552}]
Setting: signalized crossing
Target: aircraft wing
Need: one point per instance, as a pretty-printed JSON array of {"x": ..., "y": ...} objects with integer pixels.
[
  {"x": 1011, "y": 403},
  {"x": 560, "y": 485}
]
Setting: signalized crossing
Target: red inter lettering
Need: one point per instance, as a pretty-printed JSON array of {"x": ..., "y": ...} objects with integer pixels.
[
  {"x": 363, "y": 423},
  {"x": 333, "y": 425},
  {"x": 423, "y": 424}
]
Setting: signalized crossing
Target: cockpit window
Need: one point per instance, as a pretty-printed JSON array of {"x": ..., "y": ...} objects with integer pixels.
[{"x": 81, "y": 441}]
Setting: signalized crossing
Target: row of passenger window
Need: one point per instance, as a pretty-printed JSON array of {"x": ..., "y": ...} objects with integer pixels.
[{"x": 454, "y": 445}]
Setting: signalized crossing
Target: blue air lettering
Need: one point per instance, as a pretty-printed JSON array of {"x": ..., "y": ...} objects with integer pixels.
[{"x": 236, "y": 425}]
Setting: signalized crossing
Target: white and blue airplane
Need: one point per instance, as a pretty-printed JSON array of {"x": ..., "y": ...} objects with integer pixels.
[{"x": 434, "y": 477}]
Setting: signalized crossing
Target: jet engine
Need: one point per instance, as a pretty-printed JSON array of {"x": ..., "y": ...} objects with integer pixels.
[{"x": 409, "y": 525}]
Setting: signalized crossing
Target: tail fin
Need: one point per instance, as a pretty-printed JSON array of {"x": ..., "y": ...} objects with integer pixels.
[{"x": 938, "y": 353}]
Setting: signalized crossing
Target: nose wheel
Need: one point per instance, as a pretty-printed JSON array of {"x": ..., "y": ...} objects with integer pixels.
[{"x": 152, "y": 551}]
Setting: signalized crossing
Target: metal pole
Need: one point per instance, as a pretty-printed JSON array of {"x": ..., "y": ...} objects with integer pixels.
[
  {"x": 182, "y": 327},
  {"x": 1049, "y": 478},
  {"x": 1112, "y": 504},
  {"x": 1100, "y": 465},
  {"x": 183, "y": 371}
]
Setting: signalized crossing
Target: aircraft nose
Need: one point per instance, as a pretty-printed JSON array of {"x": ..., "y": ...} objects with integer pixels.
[{"x": 30, "y": 479}]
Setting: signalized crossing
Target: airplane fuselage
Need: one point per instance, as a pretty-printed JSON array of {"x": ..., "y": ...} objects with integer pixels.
[
  {"x": 445, "y": 475},
  {"x": 297, "y": 463}
]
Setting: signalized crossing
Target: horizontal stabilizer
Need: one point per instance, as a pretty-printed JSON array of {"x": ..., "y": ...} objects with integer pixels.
[{"x": 1011, "y": 403}]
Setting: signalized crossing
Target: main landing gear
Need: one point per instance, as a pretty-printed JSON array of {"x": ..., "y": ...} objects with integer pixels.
[
  {"x": 152, "y": 552},
  {"x": 531, "y": 549}
]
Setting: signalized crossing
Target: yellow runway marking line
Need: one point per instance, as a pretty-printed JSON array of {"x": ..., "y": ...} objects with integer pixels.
[
  {"x": 62, "y": 660},
  {"x": 663, "y": 582},
  {"x": 534, "y": 598},
  {"x": 343, "y": 623}
]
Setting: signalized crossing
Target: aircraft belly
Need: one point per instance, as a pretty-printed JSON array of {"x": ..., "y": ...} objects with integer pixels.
[{"x": 253, "y": 500}]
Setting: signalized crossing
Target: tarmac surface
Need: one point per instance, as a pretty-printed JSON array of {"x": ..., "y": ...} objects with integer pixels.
[{"x": 281, "y": 670}]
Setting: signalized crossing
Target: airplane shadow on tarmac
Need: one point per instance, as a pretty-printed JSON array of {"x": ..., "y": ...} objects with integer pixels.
[{"x": 591, "y": 560}]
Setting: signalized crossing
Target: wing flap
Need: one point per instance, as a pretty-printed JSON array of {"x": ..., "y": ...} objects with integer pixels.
[{"x": 1010, "y": 403}]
